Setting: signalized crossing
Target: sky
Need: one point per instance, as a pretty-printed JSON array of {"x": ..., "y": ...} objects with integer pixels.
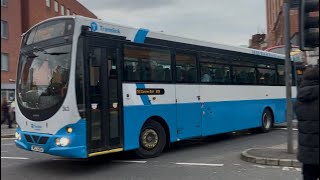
[{"x": 231, "y": 22}]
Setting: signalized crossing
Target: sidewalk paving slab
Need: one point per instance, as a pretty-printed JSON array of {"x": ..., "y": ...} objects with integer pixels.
[
  {"x": 274, "y": 156},
  {"x": 271, "y": 156},
  {"x": 6, "y": 132}
]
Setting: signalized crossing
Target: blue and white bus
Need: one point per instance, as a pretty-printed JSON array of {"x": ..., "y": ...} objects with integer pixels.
[{"x": 87, "y": 87}]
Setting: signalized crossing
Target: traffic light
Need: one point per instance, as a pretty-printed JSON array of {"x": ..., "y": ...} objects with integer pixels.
[{"x": 309, "y": 24}]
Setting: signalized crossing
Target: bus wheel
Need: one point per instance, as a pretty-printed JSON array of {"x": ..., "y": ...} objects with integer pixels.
[
  {"x": 152, "y": 140},
  {"x": 267, "y": 120}
]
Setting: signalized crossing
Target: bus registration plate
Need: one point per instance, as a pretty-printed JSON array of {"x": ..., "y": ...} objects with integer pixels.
[{"x": 37, "y": 148}]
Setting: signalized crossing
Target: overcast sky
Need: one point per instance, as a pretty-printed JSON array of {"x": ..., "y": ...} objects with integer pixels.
[{"x": 230, "y": 22}]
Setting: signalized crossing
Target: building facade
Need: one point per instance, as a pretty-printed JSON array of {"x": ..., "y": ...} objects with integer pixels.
[
  {"x": 17, "y": 16},
  {"x": 275, "y": 29},
  {"x": 275, "y": 22},
  {"x": 258, "y": 41}
]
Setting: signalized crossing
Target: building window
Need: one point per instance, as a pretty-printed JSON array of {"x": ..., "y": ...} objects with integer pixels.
[
  {"x": 9, "y": 93},
  {"x": 4, "y": 29},
  {"x": 4, "y": 62},
  {"x": 48, "y": 3},
  {"x": 68, "y": 12},
  {"x": 56, "y": 6},
  {"x": 4, "y": 3},
  {"x": 62, "y": 10}
]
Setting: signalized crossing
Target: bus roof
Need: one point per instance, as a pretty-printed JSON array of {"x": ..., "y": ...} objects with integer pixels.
[{"x": 135, "y": 35}]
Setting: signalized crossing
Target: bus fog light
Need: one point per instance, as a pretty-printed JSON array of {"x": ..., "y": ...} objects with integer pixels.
[
  {"x": 18, "y": 136},
  {"x": 64, "y": 141}
]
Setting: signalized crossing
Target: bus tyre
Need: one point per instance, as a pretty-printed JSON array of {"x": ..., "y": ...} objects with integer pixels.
[
  {"x": 152, "y": 140},
  {"x": 267, "y": 121}
]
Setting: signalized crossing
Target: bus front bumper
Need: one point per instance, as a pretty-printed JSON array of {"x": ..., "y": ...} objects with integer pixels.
[{"x": 47, "y": 143}]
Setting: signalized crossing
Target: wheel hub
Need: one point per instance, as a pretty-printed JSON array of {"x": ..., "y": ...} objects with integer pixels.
[
  {"x": 266, "y": 121},
  {"x": 149, "y": 139}
]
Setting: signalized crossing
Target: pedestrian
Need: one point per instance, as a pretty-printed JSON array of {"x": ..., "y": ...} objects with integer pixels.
[
  {"x": 13, "y": 111},
  {"x": 307, "y": 111},
  {"x": 5, "y": 111}
]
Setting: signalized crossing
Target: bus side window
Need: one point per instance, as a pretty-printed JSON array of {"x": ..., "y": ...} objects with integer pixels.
[
  {"x": 187, "y": 65},
  {"x": 128, "y": 72},
  {"x": 280, "y": 69},
  {"x": 167, "y": 74},
  {"x": 148, "y": 63}
]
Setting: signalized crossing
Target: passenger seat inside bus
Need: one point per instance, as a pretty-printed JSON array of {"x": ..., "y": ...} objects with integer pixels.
[
  {"x": 219, "y": 76},
  {"x": 167, "y": 75}
]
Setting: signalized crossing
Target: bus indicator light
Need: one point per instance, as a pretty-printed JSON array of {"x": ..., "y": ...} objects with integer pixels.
[{"x": 69, "y": 130}]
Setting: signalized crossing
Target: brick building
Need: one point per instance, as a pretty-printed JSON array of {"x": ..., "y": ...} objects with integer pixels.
[
  {"x": 258, "y": 41},
  {"x": 17, "y": 16},
  {"x": 275, "y": 29},
  {"x": 275, "y": 23}
]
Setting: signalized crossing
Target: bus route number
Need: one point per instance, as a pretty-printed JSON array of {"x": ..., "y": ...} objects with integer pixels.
[{"x": 150, "y": 91}]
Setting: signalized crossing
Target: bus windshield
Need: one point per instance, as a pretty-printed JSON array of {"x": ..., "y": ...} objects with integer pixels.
[
  {"x": 49, "y": 30},
  {"x": 43, "y": 77}
]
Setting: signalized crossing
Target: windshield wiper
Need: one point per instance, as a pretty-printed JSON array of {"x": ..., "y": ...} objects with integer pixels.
[
  {"x": 50, "y": 53},
  {"x": 56, "y": 53},
  {"x": 39, "y": 49},
  {"x": 29, "y": 56}
]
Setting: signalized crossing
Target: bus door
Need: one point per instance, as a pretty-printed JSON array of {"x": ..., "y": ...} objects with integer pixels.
[
  {"x": 103, "y": 95},
  {"x": 187, "y": 96}
]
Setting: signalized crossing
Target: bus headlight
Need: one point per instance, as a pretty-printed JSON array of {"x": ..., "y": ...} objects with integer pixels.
[
  {"x": 62, "y": 141},
  {"x": 58, "y": 141},
  {"x": 18, "y": 136}
]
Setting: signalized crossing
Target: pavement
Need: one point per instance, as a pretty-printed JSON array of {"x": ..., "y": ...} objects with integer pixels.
[
  {"x": 275, "y": 155},
  {"x": 6, "y": 132}
]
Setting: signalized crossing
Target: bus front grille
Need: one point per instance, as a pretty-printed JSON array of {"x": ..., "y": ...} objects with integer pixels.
[
  {"x": 36, "y": 139},
  {"x": 43, "y": 140},
  {"x": 28, "y": 138}
]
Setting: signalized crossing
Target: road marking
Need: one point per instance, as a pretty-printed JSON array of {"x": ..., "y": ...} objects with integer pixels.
[
  {"x": 124, "y": 161},
  {"x": 291, "y": 169},
  {"x": 280, "y": 146},
  {"x": 200, "y": 164},
  {"x": 14, "y": 158},
  {"x": 4, "y": 151},
  {"x": 7, "y": 144},
  {"x": 68, "y": 159},
  {"x": 286, "y": 168},
  {"x": 295, "y": 129},
  {"x": 259, "y": 166},
  {"x": 276, "y": 167},
  {"x": 298, "y": 169},
  {"x": 7, "y": 138}
]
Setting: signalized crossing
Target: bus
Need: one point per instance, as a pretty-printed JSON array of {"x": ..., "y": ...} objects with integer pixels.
[
  {"x": 86, "y": 87},
  {"x": 298, "y": 58}
]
